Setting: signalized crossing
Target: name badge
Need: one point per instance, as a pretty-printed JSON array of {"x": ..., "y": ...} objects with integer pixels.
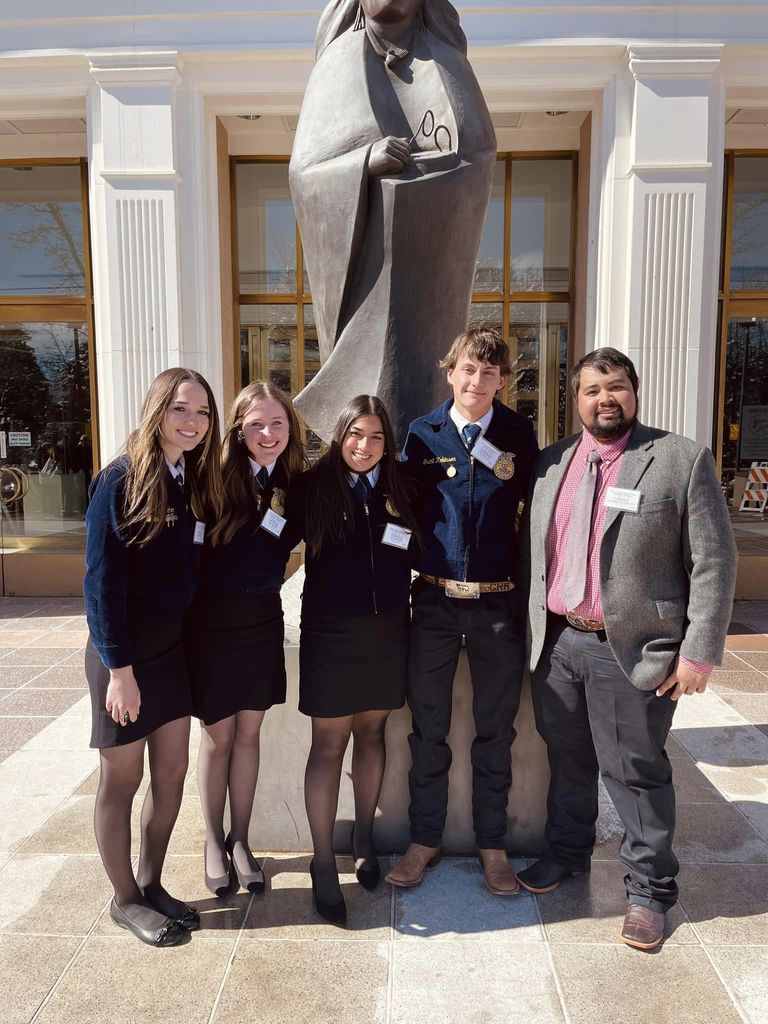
[
  {"x": 396, "y": 536},
  {"x": 273, "y": 523},
  {"x": 622, "y": 498},
  {"x": 199, "y": 536},
  {"x": 485, "y": 452}
]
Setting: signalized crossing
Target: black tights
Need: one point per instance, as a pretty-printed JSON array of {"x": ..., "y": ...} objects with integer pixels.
[
  {"x": 330, "y": 737},
  {"x": 121, "y": 773},
  {"x": 228, "y": 763}
]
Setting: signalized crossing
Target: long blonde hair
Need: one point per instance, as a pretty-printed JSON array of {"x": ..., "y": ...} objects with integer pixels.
[
  {"x": 238, "y": 487},
  {"x": 146, "y": 488}
]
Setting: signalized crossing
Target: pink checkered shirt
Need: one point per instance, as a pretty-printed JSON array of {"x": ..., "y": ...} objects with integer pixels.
[{"x": 557, "y": 537}]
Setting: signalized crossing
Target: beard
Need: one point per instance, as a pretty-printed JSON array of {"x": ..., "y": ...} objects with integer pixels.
[{"x": 617, "y": 426}]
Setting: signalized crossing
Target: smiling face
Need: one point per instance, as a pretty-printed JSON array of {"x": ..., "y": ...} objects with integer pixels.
[
  {"x": 266, "y": 430},
  {"x": 185, "y": 421},
  {"x": 474, "y": 386},
  {"x": 401, "y": 13},
  {"x": 363, "y": 444},
  {"x": 606, "y": 403}
]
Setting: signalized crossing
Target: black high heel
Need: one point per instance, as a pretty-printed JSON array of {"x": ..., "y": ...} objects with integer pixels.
[
  {"x": 367, "y": 877},
  {"x": 221, "y": 884},
  {"x": 333, "y": 913},
  {"x": 253, "y": 881}
]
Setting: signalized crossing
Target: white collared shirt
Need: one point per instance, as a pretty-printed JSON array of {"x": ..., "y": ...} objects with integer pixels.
[
  {"x": 373, "y": 476},
  {"x": 255, "y": 467},
  {"x": 484, "y": 422},
  {"x": 177, "y": 471}
]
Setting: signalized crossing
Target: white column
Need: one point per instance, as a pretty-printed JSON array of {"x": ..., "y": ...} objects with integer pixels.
[
  {"x": 151, "y": 238},
  {"x": 660, "y": 152}
]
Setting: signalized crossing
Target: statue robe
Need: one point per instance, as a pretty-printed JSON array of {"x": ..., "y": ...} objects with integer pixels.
[{"x": 390, "y": 259}]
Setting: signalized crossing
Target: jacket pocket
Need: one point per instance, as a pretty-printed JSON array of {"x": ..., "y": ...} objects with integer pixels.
[{"x": 672, "y": 607}]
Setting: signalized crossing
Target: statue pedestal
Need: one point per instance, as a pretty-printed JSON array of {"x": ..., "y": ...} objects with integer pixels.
[{"x": 280, "y": 821}]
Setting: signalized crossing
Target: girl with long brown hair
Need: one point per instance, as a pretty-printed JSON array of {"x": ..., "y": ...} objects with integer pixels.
[
  {"x": 235, "y": 639},
  {"x": 359, "y": 528},
  {"x": 146, "y": 521}
]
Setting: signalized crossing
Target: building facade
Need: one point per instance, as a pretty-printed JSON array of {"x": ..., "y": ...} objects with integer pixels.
[{"x": 145, "y": 221}]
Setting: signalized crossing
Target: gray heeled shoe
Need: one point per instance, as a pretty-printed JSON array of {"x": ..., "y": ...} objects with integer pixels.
[
  {"x": 221, "y": 885},
  {"x": 253, "y": 881}
]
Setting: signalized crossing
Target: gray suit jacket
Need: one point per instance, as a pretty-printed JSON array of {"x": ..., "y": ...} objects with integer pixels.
[{"x": 667, "y": 572}]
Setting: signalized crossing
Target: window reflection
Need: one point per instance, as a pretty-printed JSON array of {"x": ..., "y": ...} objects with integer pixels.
[
  {"x": 749, "y": 247},
  {"x": 538, "y": 342},
  {"x": 41, "y": 231},
  {"x": 489, "y": 270},
  {"x": 266, "y": 229},
  {"x": 268, "y": 340},
  {"x": 46, "y": 456},
  {"x": 541, "y": 225}
]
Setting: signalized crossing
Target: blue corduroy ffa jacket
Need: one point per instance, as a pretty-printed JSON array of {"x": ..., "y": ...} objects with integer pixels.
[
  {"x": 467, "y": 514},
  {"x": 124, "y": 581}
]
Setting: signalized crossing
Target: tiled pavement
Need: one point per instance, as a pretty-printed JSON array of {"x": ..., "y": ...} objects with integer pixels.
[{"x": 447, "y": 952}]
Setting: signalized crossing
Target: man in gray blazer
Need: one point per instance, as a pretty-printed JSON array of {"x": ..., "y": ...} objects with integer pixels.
[{"x": 632, "y": 572}]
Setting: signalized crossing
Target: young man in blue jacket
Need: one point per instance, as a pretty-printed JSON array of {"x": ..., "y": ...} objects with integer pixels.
[{"x": 473, "y": 458}]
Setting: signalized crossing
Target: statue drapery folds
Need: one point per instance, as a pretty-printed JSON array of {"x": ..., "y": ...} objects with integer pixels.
[{"x": 390, "y": 174}]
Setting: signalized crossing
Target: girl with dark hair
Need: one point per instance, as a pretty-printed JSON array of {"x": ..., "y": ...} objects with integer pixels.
[
  {"x": 145, "y": 526},
  {"x": 359, "y": 529},
  {"x": 235, "y": 635}
]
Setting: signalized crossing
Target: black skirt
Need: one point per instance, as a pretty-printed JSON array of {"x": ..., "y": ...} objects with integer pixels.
[
  {"x": 236, "y": 656},
  {"x": 352, "y": 663},
  {"x": 160, "y": 669}
]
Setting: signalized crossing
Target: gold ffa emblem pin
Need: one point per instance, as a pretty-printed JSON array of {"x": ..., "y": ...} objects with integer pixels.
[
  {"x": 504, "y": 468},
  {"x": 277, "y": 504},
  {"x": 451, "y": 471}
]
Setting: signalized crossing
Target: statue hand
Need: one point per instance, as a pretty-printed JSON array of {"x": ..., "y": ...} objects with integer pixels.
[{"x": 390, "y": 156}]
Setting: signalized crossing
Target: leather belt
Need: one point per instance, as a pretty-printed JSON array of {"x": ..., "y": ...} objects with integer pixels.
[
  {"x": 585, "y": 625},
  {"x": 463, "y": 589}
]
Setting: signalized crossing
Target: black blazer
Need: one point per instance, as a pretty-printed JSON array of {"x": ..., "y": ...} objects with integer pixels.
[
  {"x": 124, "y": 581},
  {"x": 254, "y": 561},
  {"x": 361, "y": 575}
]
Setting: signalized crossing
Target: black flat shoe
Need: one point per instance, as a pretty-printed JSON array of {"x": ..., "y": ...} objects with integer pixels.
[
  {"x": 367, "y": 877},
  {"x": 333, "y": 913},
  {"x": 253, "y": 881},
  {"x": 168, "y": 934},
  {"x": 220, "y": 885},
  {"x": 184, "y": 915},
  {"x": 545, "y": 875}
]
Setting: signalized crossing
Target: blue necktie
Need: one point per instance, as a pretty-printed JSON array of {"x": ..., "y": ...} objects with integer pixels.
[
  {"x": 470, "y": 432},
  {"x": 262, "y": 478},
  {"x": 362, "y": 488}
]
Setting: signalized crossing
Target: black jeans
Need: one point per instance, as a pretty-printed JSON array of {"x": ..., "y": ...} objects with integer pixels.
[
  {"x": 495, "y": 649},
  {"x": 594, "y": 720}
]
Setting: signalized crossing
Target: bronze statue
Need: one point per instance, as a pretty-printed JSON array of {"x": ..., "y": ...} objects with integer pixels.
[{"x": 390, "y": 175}]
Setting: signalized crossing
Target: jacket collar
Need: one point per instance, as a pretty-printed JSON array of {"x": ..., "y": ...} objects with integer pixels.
[
  {"x": 635, "y": 460},
  {"x": 441, "y": 416}
]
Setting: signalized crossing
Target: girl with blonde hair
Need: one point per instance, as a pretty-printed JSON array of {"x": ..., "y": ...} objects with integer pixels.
[
  {"x": 148, "y": 513},
  {"x": 235, "y": 639}
]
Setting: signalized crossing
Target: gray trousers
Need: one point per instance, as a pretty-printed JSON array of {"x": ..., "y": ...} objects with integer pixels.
[{"x": 594, "y": 721}]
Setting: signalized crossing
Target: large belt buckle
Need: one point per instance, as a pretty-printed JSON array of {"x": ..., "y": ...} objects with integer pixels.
[
  {"x": 455, "y": 588},
  {"x": 585, "y": 625}
]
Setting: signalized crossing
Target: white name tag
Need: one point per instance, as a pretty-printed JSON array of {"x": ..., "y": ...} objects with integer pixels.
[
  {"x": 273, "y": 523},
  {"x": 199, "y": 536},
  {"x": 396, "y": 536},
  {"x": 622, "y": 498},
  {"x": 485, "y": 452}
]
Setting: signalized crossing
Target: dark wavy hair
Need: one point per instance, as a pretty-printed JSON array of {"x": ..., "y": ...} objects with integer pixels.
[
  {"x": 439, "y": 17},
  {"x": 330, "y": 511}
]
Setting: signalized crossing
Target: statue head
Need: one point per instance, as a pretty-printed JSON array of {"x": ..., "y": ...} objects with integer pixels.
[{"x": 439, "y": 17}]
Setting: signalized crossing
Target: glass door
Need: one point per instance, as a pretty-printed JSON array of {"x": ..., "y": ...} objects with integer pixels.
[{"x": 47, "y": 385}]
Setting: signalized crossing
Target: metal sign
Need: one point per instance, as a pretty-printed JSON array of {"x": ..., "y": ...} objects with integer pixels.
[
  {"x": 754, "y": 432},
  {"x": 19, "y": 438}
]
